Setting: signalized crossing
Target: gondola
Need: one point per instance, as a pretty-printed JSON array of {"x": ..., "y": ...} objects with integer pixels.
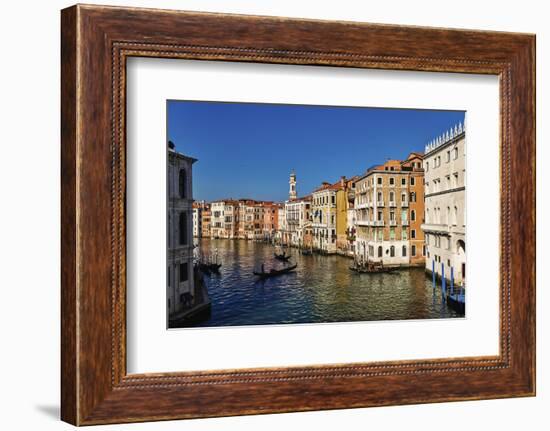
[
  {"x": 209, "y": 267},
  {"x": 282, "y": 257},
  {"x": 275, "y": 272}
]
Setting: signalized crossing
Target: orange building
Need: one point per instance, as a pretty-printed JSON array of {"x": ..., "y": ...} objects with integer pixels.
[{"x": 389, "y": 208}]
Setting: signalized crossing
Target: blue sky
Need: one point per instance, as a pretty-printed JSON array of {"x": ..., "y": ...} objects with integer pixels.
[{"x": 247, "y": 150}]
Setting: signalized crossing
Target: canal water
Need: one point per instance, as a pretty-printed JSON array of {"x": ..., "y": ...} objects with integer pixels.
[{"x": 321, "y": 289}]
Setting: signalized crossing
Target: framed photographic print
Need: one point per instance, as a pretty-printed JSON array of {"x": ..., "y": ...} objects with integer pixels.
[{"x": 268, "y": 215}]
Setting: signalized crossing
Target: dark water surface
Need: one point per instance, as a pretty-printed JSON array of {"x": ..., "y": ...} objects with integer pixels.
[{"x": 321, "y": 289}]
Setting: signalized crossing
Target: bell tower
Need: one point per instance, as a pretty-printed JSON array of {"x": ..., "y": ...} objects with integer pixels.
[{"x": 292, "y": 186}]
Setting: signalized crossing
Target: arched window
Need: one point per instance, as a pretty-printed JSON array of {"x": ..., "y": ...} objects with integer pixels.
[
  {"x": 182, "y": 183},
  {"x": 392, "y": 251},
  {"x": 448, "y": 221},
  {"x": 380, "y": 251},
  {"x": 404, "y": 251},
  {"x": 183, "y": 228},
  {"x": 392, "y": 196},
  {"x": 455, "y": 216}
]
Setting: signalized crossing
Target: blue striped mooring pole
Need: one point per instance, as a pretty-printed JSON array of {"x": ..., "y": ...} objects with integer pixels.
[
  {"x": 452, "y": 281},
  {"x": 443, "y": 280},
  {"x": 433, "y": 274}
]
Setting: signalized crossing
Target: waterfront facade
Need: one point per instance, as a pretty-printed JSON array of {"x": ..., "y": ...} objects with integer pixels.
[
  {"x": 180, "y": 285},
  {"x": 198, "y": 208},
  {"x": 246, "y": 219},
  {"x": 224, "y": 219},
  {"x": 445, "y": 213},
  {"x": 297, "y": 224},
  {"x": 205, "y": 221},
  {"x": 324, "y": 213},
  {"x": 345, "y": 226},
  {"x": 389, "y": 205},
  {"x": 271, "y": 221}
]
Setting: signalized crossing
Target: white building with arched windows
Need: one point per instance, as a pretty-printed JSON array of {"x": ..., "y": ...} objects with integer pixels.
[
  {"x": 180, "y": 286},
  {"x": 445, "y": 205}
]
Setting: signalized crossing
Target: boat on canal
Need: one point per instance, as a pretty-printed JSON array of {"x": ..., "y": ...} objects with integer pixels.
[
  {"x": 274, "y": 272},
  {"x": 372, "y": 268},
  {"x": 284, "y": 257},
  {"x": 209, "y": 267}
]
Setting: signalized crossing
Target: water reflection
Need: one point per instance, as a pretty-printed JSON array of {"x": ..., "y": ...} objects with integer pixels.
[{"x": 321, "y": 289}]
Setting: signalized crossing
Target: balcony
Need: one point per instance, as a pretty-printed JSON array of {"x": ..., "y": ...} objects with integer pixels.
[
  {"x": 435, "y": 227},
  {"x": 393, "y": 222},
  {"x": 404, "y": 222},
  {"x": 380, "y": 203},
  {"x": 393, "y": 204},
  {"x": 362, "y": 223},
  {"x": 404, "y": 203},
  {"x": 378, "y": 223}
]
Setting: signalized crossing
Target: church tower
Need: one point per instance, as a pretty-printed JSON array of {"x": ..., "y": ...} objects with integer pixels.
[{"x": 292, "y": 188}]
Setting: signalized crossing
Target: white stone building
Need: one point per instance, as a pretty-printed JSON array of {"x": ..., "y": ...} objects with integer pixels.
[
  {"x": 180, "y": 284},
  {"x": 217, "y": 224},
  {"x": 445, "y": 204},
  {"x": 297, "y": 222},
  {"x": 224, "y": 219}
]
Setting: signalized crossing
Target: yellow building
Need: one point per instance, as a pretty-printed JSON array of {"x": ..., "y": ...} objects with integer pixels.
[
  {"x": 324, "y": 217},
  {"x": 345, "y": 196}
]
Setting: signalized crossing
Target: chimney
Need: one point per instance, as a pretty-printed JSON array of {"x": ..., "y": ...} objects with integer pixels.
[{"x": 343, "y": 180}]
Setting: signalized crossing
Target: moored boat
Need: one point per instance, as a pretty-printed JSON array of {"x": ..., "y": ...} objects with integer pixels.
[{"x": 372, "y": 269}]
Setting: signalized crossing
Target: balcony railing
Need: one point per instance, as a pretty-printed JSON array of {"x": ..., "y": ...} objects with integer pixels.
[
  {"x": 393, "y": 204},
  {"x": 404, "y": 203},
  {"x": 380, "y": 203},
  {"x": 378, "y": 223},
  {"x": 393, "y": 222},
  {"x": 404, "y": 222}
]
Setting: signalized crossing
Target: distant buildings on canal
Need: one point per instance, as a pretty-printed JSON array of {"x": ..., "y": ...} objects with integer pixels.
[{"x": 400, "y": 213}]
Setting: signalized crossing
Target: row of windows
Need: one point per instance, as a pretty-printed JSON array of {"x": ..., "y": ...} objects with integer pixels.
[
  {"x": 436, "y": 161},
  {"x": 365, "y": 215},
  {"x": 377, "y": 234},
  {"x": 451, "y": 182},
  {"x": 323, "y": 200},
  {"x": 435, "y": 216},
  {"x": 363, "y": 199},
  {"x": 435, "y": 240},
  {"x": 391, "y": 251}
]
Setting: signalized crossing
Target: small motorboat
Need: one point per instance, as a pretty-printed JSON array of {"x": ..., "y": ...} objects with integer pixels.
[
  {"x": 275, "y": 272},
  {"x": 284, "y": 257}
]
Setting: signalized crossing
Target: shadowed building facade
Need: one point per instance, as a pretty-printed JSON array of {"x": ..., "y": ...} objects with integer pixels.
[{"x": 180, "y": 285}]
